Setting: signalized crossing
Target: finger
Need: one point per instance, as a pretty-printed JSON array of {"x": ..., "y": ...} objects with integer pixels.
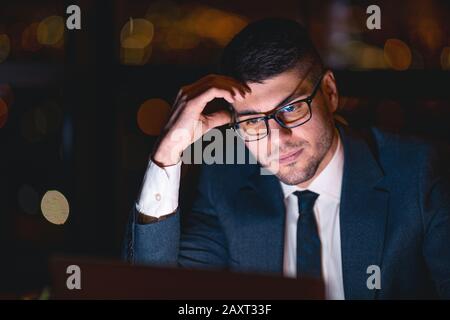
[
  {"x": 198, "y": 103},
  {"x": 215, "y": 80}
]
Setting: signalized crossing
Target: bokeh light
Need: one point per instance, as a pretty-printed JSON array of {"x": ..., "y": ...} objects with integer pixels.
[
  {"x": 445, "y": 58},
  {"x": 3, "y": 113},
  {"x": 428, "y": 33},
  {"x": 152, "y": 116},
  {"x": 6, "y": 98},
  {"x": 28, "y": 199},
  {"x": 364, "y": 56},
  {"x": 217, "y": 25},
  {"x": 179, "y": 38},
  {"x": 372, "y": 58},
  {"x": 50, "y": 31},
  {"x": 135, "y": 38},
  {"x": 59, "y": 44},
  {"x": 135, "y": 56},
  {"x": 55, "y": 207},
  {"x": 136, "y": 34},
  {"x": 185, "y": 27},
  {"x": 6, "y": 94},
  {"x": 397, "y": 54},
  {"x": 425, "y": 22},
  {"x": 163, "y": 12},
  {"x": 5, "y": 47},
  {"x": 29, "y": 38}
]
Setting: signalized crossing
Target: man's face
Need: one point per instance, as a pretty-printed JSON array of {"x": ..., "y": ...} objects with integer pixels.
[{"x": 293, "y": 155}]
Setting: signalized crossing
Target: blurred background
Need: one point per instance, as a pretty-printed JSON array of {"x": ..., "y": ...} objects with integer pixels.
[{"x": 81, "y": 109}]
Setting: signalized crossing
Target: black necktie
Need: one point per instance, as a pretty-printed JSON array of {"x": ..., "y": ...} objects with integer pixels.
[{"x": 309, "y": 262}]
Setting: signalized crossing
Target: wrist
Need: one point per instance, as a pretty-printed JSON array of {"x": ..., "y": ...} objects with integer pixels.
[{"x": 165, "y": 158}]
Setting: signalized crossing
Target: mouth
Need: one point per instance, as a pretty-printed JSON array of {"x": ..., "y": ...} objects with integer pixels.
[{"x": 290, "y": 157}]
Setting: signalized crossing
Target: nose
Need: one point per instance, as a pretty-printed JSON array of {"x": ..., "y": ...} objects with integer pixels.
[{"x": 276, "y": 131}]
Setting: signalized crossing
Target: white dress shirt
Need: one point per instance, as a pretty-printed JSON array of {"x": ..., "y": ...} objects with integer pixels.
[
  {"x": 326, "y": 210},
  {"x": 159, "y": 196}
]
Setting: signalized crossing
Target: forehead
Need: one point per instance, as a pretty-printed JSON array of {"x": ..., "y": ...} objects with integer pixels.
[{"x": 267, "y": 95}]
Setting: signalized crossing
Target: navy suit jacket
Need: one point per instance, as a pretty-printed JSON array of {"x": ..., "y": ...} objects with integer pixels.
[{"x": 394, "y": 213}]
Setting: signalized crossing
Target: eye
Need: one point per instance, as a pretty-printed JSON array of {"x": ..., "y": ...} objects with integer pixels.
[
  {"x": 253, "y": 121},
  {"x": 290, "y": 108}
]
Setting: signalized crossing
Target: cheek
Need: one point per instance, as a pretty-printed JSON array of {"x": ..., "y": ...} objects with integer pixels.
[
  {"x": 316, "y": 127},
  {"x": 259, "y": 148}
]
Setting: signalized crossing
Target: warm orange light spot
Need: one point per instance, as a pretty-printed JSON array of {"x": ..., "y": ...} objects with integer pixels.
[
  {"x": 135, "y": 39},
  {"x": 397, "y": 54},
  {"x": 217, "y": 25},
  {"x": 50, "y": 30},
  {"x": 136, "y": 34},
  {"x": 445, "y": 58},
  {"x": 6, "y": 94},
  {"x": 152, "y": 116},
  {"x": 29, "y": 38},
  {"x": 5, "y": 47},
  {"x": 430, "y": 33},
  {"x": 179, "y": 39},
  {"x": 3, "y": 113}
]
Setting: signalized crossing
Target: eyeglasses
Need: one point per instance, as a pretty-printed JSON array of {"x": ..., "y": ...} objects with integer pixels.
[{"x": 288, "y": 116}]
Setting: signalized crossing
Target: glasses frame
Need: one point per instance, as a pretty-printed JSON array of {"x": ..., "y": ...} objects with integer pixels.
[{"x": 273, "y": 114}]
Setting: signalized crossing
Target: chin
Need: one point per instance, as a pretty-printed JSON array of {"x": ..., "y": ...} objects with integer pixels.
[
  {"x": 291, "y": 179},
  {"x": 295, "y": 173}
]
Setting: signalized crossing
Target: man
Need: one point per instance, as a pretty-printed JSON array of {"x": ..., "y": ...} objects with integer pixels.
[{"x": 338, "y": 204}]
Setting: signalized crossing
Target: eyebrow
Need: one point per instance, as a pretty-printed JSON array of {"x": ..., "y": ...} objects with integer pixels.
[{"x": 289, "y": 98}]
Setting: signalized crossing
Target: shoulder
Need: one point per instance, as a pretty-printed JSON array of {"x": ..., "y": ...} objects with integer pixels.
[
  {"x": 407, "y": 151},
  {"x": 415, "y": 163}
]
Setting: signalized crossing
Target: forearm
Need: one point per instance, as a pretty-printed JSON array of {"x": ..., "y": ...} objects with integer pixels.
[
  {"x": 153, "y": 243},
  {"x": 153, "y": 228}
]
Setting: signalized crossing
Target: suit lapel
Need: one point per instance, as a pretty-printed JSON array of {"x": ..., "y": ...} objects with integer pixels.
[
  {"x": 261, "y": 218},
  {"x": 363, "y": 215}
]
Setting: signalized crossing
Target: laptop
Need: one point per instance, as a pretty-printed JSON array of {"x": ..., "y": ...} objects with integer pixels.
[{"x": 75, "y": 278}]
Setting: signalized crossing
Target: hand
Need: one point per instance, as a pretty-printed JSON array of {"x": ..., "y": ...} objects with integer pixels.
[{"x": 187, "y": 121}]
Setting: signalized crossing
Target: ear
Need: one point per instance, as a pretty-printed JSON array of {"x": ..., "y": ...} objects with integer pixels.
[{"x": 329, "y": 90}]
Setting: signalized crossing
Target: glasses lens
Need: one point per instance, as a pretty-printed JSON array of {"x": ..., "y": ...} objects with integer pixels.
[
  {"x": 252, "y": 129},
  {"x": 294, "y": 114}
]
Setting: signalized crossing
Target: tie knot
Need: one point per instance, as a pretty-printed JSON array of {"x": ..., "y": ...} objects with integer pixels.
[{"x": 306, "y": 200}]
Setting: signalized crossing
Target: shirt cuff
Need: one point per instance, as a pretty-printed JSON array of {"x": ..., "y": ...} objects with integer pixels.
[{"x": 160, "y": 187}]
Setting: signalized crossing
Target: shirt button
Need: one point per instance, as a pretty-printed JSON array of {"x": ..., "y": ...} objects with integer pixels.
[{"x": 157, "y": 197}]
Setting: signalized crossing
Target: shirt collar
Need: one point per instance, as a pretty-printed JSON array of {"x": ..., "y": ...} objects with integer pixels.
[{"x": 329, "y": 181}]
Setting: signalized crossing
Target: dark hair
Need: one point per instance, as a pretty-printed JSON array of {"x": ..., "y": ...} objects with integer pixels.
[{"x": 268, "y": 47}]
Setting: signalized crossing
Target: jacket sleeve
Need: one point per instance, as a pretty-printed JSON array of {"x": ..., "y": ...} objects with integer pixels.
[
  {"x": 154, "y": 243},
  {"x": 192, "y": 237}
]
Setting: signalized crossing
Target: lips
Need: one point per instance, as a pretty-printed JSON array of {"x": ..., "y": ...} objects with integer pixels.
[{"x": 290, "y": 157}]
